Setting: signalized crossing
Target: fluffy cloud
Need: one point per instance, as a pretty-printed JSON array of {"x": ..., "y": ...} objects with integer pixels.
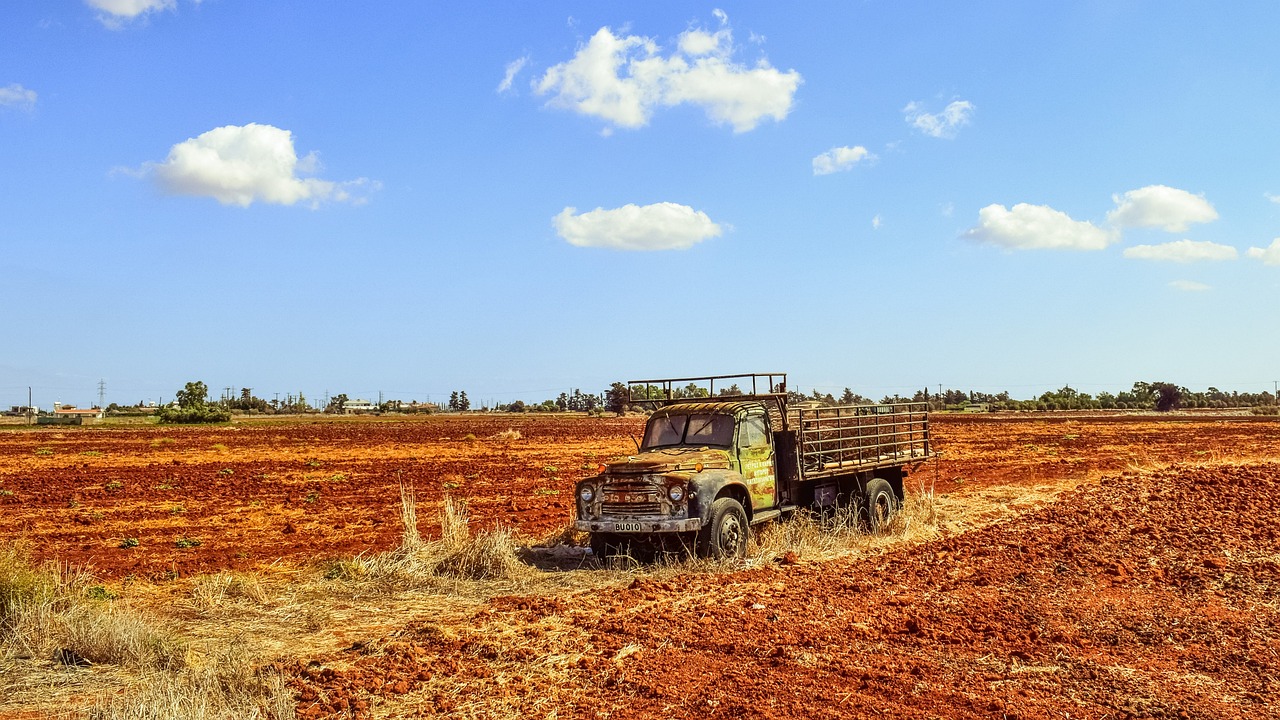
[
  {"x": 838, "y": 159},
  {"x": 1182, "y": 251},
  {"x": 114, "y": 13},
  {"x": 1033, "y": 227},
  {"x": 942, "y": 125},
  {"x": 1160, "y": 206},
  {"x": 14, "y": 95},
  {"x": 624, "y": 79},
  {"x": 1188, "y": 286},
  {"x": 661, "y": 226},
  {"x": 1269, "y": 255},
  {"x": 513, "y": 68},
  {"x": 237, "y": 165}
]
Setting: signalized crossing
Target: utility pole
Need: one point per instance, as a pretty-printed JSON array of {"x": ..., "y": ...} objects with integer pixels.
[
  {"x": 30, "y": 414},
  {"x": 102, "y": 394}
]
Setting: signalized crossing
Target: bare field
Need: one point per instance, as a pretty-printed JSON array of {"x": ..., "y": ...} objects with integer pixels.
[{"x": 1061, "y": 566}]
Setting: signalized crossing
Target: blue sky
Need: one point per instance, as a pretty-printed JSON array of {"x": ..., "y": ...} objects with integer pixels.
[{"x": 517, "y": 199}]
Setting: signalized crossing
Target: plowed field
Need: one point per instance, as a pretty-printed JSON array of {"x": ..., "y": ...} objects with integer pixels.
[
  {"x": 255, "y": 494},
  {"x": 1085, "y": 567}
]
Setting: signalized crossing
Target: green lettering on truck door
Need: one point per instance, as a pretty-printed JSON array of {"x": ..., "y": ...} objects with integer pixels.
[{"x": 755, "y": 462}]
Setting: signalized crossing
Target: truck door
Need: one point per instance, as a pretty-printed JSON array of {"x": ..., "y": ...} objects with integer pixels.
[{"x": 755, "y": 462}]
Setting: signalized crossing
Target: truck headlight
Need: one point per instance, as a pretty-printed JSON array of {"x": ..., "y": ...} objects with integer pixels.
[
  {"x": 675, "y": 492},
  {"x": 586, "y": 493}
]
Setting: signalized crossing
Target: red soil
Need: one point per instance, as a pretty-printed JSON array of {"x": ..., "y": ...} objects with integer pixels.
[
  {"x": 1137, "y": 594},
  {"x": 295, "y": 492},
  {"x": 1148, "y": 595}
]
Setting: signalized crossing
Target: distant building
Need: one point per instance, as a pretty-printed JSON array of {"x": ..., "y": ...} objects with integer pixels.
[
  {"x": 352, "y": 407},
  {"x": 72, "y": 415},
  {"x": 71, "y": 411}
]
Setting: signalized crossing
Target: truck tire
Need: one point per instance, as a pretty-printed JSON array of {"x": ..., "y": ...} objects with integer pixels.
[
  {"x": 726, "y": 532},
  {"x": 879, "y": 505}
]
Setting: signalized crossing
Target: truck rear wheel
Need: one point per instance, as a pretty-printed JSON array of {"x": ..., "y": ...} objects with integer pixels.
[
  {"x": 879, "y": 505},
  {"x": 725, "y": 534}
]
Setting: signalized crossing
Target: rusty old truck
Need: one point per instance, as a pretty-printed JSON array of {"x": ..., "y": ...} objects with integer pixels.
[{"x": 712, "y": 465}]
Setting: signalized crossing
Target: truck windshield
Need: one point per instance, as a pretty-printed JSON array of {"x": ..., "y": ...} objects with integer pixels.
[{"x": 697, "y": 430}]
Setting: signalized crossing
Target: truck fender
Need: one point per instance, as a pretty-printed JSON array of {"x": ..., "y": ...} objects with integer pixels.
[{"x": 708, "y": 485}]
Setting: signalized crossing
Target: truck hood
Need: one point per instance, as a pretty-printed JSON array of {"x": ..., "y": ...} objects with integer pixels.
[{"x": 670, "y": 460}]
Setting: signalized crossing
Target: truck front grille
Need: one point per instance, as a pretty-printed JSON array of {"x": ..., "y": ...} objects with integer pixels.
[{"x": 638, "y": 509}]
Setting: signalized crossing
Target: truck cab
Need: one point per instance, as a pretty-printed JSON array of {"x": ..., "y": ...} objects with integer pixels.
[{"x": 693, "y": 455}]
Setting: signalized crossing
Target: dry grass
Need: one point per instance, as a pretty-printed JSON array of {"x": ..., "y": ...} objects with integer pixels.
[
  {"x": 836, "y": 533},
  {"x": 408, "y": 516},
  {"x": 218, "y": 593},
  {"x": 229, "y": 685},
  {"x": 507, "y": 436},
  {"x": 421, "y": 564},
  {"x": 50, "y": 612},
  {"x": 106, "y": 633}
]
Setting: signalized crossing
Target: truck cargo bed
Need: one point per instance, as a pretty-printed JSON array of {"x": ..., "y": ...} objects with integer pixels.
[{"x": 840, "y": 440}]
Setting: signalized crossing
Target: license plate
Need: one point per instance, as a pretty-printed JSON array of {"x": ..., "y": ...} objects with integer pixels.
[{"x": 626, "y": 527}]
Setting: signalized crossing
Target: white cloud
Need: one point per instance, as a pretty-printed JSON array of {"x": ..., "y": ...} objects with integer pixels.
[
  {"x": 237, "y": 165},
  {"x": 1034, "y": 227},
  {"x": 1272, "y": 198},
  {"x": 661, "y": 226},
  {"x": 624, "y": 79},
  {"x": 14, "y": 95},
  {"x": 876, "y": 222},
  {"x": 1270, "y": 255},
  {"x": 838, "y": 159},
  {"x": 513, "y": 68},
  {"x": 1182, "y": 251},
  {"x": 1160, "y": 206},
  {"x": 1188, "y": 286},
  {"x": 942, "y": 125},
  {"x": 114, "y": 13}
]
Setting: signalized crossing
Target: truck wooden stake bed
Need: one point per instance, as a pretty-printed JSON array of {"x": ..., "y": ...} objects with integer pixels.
[{"x": 710, "y": 466}]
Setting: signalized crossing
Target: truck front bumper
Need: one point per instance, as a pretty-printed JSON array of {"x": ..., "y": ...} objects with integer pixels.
[{"x": 641, "y": 526}]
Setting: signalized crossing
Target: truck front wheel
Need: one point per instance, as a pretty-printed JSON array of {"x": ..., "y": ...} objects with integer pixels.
[
  {"x": 725, "y": 534},
  {"x": 880, "y": 505}
]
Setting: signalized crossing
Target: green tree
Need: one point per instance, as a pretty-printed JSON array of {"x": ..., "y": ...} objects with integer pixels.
[
  {"x": 1168, "y": 396},
  {"x": 337, "y": 404},
  {"x": 193, "y": 395},
  {"x": 193, "y": 408},
  {"x": 615, "y": 400}
]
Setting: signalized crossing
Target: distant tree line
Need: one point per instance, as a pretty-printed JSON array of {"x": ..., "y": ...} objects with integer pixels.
[
  {"x": 192, "y": 404},
  {"x": 1158, "y": 396}
]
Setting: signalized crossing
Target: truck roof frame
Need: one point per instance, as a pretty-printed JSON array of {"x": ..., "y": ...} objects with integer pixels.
[{"x": 666, "y": 388}]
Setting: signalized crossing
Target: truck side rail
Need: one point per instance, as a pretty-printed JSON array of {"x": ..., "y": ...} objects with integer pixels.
[{"x": 839, "y": 440}]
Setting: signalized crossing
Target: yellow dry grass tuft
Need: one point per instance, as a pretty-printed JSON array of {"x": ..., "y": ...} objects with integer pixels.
[
  {"x": 50, "y": 612},
  {"x": 214, "y": 594},
  {"x": 457, "y": 554},
  {"x": 229, "y": 684},
  {"x": 840, "y": 532}
]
